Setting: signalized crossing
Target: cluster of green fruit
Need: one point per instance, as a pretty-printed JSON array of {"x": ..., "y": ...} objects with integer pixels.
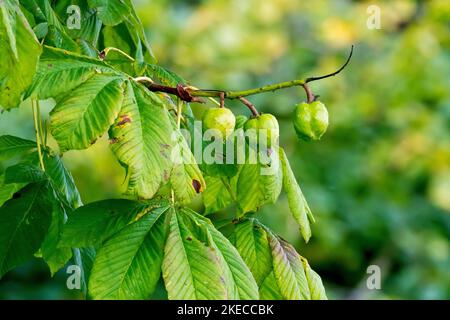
[{"x": 310, "y": 122}]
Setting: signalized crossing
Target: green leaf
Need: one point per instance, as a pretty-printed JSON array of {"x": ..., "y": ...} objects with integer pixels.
[
  {"x": 24, "y": 222},
  {"x": 7, "y": 190},
  {"x": 11, "y": 146},
  {"x": 165, "y": 76},
  {"x": 238, "y": 278},
  {"x": 141, "y": 139},
  {"x": 89, "y": 22},
  {"x": 259, "y": 183},
  {"x": 137, "y": 33},
  {"x": 62, "y": 180},
  {"x": 40, "y": 30},
  {"x": 84, "y": 258},
  {"x": 191, "y": 267},
  {"x": 314, "y": 282},
  {"x": 253, "y": 246},
  {"x": 19, "y": 52},
  {"x": 186, "y": 179},
  {"x": 194, "y": 242},
  {"x": 57, "y": 35},
  {"x": 128, "y": 265},
  {"x": 288, "y": 270},
  {"x": 54, "y": 255},
  {"x": 269, "y": 289},
  {"x": 92, "y": 224},
  {"x": 82, "y": 116},
  {"x": 240, "y": 122},
  {"x": 297, "y": 202},
  {"x": 109, "y": 11},
  {"x": 24, "y": 173},
  {"x": 119, "y": 37},
  {"x": 216, "y": 195},
  {"x": 61, "y": 72}
]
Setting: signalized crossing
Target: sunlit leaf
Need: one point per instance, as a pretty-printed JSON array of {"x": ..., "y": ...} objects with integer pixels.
[
  {"x": 128, "y": 265},
  {"x": 19, "y": 52},
  {"x": 297, "y": 202}
]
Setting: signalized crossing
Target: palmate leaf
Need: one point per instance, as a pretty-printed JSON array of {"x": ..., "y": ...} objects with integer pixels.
[
  {"x": 19, "y": 52},
  {"x": 80, "y": 118},
  {"x": 241, "y": 284},
  {"x": 186, "y": 257},
  {"x": 93, "y": 97},
  {"x": 280, "y": 271},
  {"x": 92, "y": 224},
  {"x": 193, "y": 246},
  {"x": 128, "y": 265},
  {"x": 297, "y": 202},
  {"x": 61, "y": 71},
  {"x": 24, "y": 222},
  {"x": 141, "y": 139}
]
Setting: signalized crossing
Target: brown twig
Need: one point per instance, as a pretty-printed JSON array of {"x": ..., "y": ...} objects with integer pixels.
[
  {"x": 250, "y": 106},
  {"x": 222, "y": 99},
  {"x": 309, "y": 95}
]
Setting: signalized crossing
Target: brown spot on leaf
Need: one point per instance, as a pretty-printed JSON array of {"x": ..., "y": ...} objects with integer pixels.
[
  {"x": 93, "y": 141},
  {"x": 50, "y": 65},
  {"x": 197, "y": 185},
  {"x": 188, "y": 238},
  {"x": 124, "y": 119},
  {"x": 165, "y": 175},
  {"x": 113, "y": 140}
]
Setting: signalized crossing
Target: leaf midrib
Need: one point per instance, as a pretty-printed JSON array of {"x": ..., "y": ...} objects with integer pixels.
[{"x": 127, "y": 269}]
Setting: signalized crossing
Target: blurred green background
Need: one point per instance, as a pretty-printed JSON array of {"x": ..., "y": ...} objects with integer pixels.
[{"x": 378, "y": 182}]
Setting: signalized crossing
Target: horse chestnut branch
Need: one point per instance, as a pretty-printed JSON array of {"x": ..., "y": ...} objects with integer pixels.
[{"x": 190, "y": 94}]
